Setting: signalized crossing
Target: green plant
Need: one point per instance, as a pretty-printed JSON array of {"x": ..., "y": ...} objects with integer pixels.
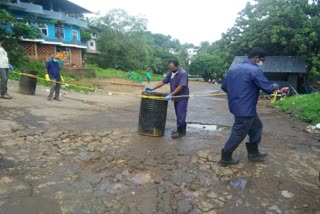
[{"x": 304, "y": 107}]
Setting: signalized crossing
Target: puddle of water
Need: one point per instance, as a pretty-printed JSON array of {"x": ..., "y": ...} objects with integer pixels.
[
  {"x": 239, "y": 185},
  {"x": 141, "y": 179},
  {"x": 5, "y": 163},
  {"x": 189, "y": 194},
  {"x": 209, "y": 128}
]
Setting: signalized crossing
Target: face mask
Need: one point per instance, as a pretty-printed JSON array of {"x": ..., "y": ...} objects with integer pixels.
[
  {"x": 260, "y": 63},
  {"x": 55, "y": 60}
]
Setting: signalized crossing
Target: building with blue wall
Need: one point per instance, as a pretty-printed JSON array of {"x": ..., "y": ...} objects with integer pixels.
[{"x": 60, "y": 22}]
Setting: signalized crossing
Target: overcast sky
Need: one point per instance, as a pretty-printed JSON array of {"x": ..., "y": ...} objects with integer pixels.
[{"x": 189, "y": 21}]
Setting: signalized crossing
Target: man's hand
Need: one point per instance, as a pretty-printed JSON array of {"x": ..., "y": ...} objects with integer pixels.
[
  {"x": 47, "y": 77},
  {"x": 11, "y": 67},
  {"x": 149, "y": 89},
  {"x": 168, "y": 97},
  {"x": 275, "y": 86},
  {"x": 284, "y": 90}
]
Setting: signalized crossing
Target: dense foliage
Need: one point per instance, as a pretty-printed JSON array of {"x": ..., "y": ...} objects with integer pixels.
[
  {"x": 126, "y": 44},
  {"x": 305, "y": 107},
  {"x": 283, "y": 27},
  {"x": 11, "y": 30}
]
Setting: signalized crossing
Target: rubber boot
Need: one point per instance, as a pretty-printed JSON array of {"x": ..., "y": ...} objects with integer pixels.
[
  {"x": 181, "y": 132},
  {"x": 227, "y": 160},
  {"x": 254, "y": 154},
  {"x": 184, "y": 130},
  {"x": 175, "y": 132}
]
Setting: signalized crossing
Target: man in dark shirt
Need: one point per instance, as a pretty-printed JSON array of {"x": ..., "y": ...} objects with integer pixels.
[
  {"x": 243, "y": 84},
  {"x": 178, "y": 79},
  {"x": 53, "y": 70}
]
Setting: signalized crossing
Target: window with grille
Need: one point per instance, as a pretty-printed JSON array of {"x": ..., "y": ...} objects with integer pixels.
[
  {"x": 59, "y": 32},
  {"x": 43, "y": 29},
  {"x": 74, "y": 35}
]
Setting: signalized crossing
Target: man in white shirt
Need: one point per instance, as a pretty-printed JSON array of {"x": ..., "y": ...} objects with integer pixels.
[{"x": 4, "y": 72}]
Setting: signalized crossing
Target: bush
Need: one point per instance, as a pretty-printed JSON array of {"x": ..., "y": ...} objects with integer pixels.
[
  {"x": 304, "y": 107},
  {"x": 114, "y": 73},
  {"x": 31, "y": 66}
]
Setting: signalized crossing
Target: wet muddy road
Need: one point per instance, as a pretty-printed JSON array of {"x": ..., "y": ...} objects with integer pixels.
[{"x": 86, "y": 157}]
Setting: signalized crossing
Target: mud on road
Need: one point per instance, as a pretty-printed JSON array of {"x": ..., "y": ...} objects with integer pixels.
[{"x": 86, "y": 157}]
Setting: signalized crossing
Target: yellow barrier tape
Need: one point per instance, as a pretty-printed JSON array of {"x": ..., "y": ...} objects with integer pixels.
[
  {"x": 274, "y": 98},
  {"x": 119, "y": 93},
  {"x": 131, "y": 94}
]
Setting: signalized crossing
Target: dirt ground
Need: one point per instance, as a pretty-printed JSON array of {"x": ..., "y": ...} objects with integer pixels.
[{"x": 83, "y": 155}]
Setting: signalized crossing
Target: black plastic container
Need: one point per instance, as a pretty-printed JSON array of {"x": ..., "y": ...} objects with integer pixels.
[
  {"x": 153, "y": 115},
  {"x": 28, "y": 84}
]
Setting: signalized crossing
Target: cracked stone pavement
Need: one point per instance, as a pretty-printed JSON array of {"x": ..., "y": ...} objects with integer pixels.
[{"x": 83, "y": 155}]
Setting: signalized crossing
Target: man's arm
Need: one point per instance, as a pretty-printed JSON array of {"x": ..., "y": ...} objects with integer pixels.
[
  {"x": 263, "y": 83},
  {"x": 159, "y": 85},
  {"x": 183, "y": 83},
  {"x": 178, "y": 89},
  {"x": 47, "y": 68},
  {"x": 224, "y": 85}
]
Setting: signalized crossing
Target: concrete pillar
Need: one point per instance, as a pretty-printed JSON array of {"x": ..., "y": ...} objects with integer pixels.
[
  {"x": 35, "y": 46},
  {"x": 51, "y": 5}
]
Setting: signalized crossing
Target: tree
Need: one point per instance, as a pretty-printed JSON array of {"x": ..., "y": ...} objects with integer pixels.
[
  {"x": 12, "y": 30},
  {"x": 208, "y": 66},
  {"x": 120, "y": 20},
  {"x": 121, "y": 41},
  {"x": 283, "y": 27}
]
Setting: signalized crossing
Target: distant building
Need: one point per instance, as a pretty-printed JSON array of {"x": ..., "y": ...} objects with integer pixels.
[
  {"x": 173, "y": 51},
  {"x": 62, "y": 21},
  {"x": 192, "y": 53},
  {"x": 92, "y": 44},
  {"x": 284, "y": 70}
]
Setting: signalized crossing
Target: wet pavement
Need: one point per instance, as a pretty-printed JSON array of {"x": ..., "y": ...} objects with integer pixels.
[{"x": 75, "y": 157}]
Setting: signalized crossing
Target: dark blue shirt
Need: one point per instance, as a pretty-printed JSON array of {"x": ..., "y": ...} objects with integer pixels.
[
  {"x": 243, "y": 84},
  {"x": 53, "y": 69},
  {"x": 180, "y": 79}
]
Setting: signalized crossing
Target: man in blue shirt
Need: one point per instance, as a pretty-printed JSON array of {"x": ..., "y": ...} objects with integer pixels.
[
  {"x": 178, "y": 79},
  {"x": 243, "y": 84},
  {"x": 53, "y": 70}
]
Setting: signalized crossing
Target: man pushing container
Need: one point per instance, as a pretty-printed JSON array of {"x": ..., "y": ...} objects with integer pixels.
[{"x": 178, "y": 79}]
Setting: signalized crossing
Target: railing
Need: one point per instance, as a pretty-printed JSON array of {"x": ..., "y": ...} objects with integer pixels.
[
  {"x": 61, "y": 40},
  {"x": 54, "y": 15},
  {"x": 75, "y": 21},
  {"x": 31, "y": 8},
  {"x": 38, "y": 9}
]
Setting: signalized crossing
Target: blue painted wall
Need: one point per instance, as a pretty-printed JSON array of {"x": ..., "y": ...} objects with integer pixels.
[
  {"x": 51, "y": 28},
  {"x": 51, "y": 31},
  {"x": 68, "y": 32}
]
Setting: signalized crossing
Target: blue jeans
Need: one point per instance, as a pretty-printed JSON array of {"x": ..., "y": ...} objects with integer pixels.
[{"x": 242, "y": 127}]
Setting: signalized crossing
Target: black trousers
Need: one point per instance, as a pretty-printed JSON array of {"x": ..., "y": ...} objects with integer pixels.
[{"x": 242, "y": 127}]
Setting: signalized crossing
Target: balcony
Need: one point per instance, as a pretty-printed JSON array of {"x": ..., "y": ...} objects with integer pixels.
[
  {"x": 31, "y": 8},
  {"x": 75, "y": 21},
  {"x": 48, "y": 14},
  {"x": 59, "y": 16},
  {"x": 62, "y": 42}
]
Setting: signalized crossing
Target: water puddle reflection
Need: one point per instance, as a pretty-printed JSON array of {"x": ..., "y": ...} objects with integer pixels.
[
  {"x": 239, "y": 185},
  {"x": 209, "y": 128}
]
